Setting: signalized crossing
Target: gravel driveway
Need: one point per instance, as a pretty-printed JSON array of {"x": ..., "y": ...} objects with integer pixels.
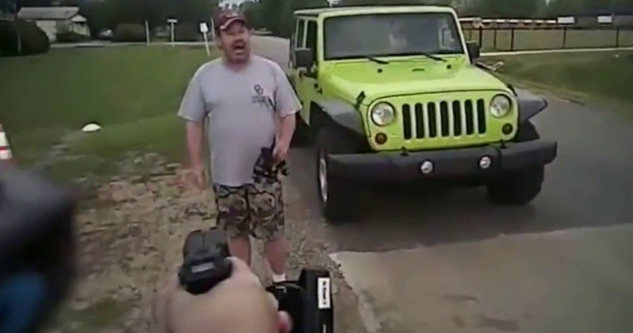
[{"x": 131, "y": 238}]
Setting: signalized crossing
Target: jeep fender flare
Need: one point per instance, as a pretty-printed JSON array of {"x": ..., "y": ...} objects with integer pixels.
[
  {"x": 529, "y": 105},
  {"x": 342, "y": 114}
]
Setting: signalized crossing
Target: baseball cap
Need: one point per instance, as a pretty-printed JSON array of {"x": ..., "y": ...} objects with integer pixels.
[{"x": 225, "y": 18}]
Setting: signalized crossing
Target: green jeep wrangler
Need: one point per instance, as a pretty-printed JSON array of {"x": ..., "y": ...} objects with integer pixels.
[{"x": 392, "y": 94}]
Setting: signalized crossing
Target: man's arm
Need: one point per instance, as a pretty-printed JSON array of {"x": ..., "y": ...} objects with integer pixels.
[
  {"x": 287, "y": 125},
  {"x": 195, "y": 131},
  {"x": 287, "y": 104},
  {"x": 193, "y": 110}
]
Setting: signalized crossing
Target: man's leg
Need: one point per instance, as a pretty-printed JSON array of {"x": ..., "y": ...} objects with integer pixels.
[
  {"x": 240, "y": 247},
  {"x": 267, "y": 208},
  {"x": 276, "y": 251},
  {"x": 233, "y": 219}
]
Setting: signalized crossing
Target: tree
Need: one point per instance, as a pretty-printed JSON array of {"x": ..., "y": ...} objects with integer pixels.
[
  {"x": 509, "y": 9},
  {"x": 276, "y": 15},
  {"x": 98, "y": 14},
  {"x": 9, "y": 6},
  {"x": 156, "y": 12},
  {"x": 251, "y": 10},
  {"x": 189, "y": 11}
]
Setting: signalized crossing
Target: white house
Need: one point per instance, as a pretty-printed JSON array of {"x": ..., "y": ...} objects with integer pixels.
[{"x": 55, "y": 20}]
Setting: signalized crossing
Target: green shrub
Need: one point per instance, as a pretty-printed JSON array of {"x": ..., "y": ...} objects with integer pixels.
[
  {"x": 129, "y": 32},
  {"x": 70, "y": 37},
  {"x": 33, "y": 40},
  {"x": 186, "y": 32}
]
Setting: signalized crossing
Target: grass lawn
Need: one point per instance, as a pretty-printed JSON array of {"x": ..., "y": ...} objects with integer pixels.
[
  {"x": 132, "y": 92},
  {"x": 604, "y": 76}
]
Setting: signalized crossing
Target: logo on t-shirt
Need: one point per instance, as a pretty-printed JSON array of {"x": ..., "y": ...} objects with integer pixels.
[
  {"x": 258, "y": 89},
  {"x": 261, "y": 99}
]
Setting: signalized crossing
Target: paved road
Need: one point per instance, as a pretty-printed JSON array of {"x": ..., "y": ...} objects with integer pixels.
[{"x": 451, "y": 262}]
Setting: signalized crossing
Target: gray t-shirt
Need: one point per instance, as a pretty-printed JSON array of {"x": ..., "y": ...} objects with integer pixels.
[{"x": 243, "y": 109}]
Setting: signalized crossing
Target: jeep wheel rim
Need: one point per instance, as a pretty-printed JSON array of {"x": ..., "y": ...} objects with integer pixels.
[{"x": 323, "y": 178}]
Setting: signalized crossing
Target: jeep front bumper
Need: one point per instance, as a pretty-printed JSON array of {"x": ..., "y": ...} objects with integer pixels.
[{"x": 463, "y": 162}]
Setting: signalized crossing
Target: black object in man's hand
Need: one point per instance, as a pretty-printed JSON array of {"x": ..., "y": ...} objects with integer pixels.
[{"x": 267, "y": 167}]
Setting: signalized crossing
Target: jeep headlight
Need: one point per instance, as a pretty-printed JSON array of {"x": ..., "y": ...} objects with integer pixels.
[
  {"x": 383, "y": 114},
  {"x": 500, "y": 106}
]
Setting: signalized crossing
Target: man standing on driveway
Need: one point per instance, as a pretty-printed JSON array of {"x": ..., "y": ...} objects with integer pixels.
[{"x": 249, "y": 104}]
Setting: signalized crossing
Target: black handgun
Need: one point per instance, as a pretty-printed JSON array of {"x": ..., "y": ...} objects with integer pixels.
[
  {"x": 205, "y": 262},
  {"x": 307, "y": 300},
  {"x": 266, "y": 167},
  {"x": 37, "y": 248}
]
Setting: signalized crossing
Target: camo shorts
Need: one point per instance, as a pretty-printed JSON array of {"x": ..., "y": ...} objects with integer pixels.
[{"x": 256, "y": 209}]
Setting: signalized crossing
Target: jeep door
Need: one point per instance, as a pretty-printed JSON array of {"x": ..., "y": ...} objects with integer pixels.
[
  {"x": 305, "y": 79},
  {"x": 297, "y": 40}
]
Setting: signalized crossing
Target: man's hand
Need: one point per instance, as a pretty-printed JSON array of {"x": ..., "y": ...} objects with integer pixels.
[
  {"x": 237, "y": 305},
  {"x": 280, "y": 152},
  {"x": 198, "y": 177},
  {"x": 284, "y": 137}
]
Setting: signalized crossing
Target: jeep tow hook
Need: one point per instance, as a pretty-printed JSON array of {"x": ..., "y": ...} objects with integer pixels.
[{"x": 405, "y": 152}]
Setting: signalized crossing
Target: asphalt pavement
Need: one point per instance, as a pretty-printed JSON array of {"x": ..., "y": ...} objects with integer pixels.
[{"x": 428, "y": 260}]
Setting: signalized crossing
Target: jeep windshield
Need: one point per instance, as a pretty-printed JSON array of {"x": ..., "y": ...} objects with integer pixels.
[{"x": 371, "y": 36}]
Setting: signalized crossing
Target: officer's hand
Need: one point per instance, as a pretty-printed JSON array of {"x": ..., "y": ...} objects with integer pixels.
[{"x": 238, "y": 304}]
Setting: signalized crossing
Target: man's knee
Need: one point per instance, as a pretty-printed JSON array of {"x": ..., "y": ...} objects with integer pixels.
[
  {"x": 233, "y": 214},
  {"x": 273, "y": 238},
  {"x": 268, "y": 208},
  {"x": 238, "y": 238},
  {"x": 269, "y": 229},
  {"x": 235, "y": 231}
]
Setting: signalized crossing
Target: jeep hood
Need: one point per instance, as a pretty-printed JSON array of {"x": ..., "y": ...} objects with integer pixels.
[{"x": 408, "y": 77}]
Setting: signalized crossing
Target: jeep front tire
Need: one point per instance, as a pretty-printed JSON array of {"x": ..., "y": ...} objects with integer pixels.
[
  {"x": 520, "y": 187},
  {"x": 335, "y": 195}
]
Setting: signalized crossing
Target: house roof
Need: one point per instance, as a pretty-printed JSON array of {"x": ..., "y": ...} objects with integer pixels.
[{"x": 48, "y": 13}]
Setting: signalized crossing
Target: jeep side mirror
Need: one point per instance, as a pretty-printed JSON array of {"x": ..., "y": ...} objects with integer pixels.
[
  {"x": 473, "y": 50},
  {"x": 304, "y": 58}
]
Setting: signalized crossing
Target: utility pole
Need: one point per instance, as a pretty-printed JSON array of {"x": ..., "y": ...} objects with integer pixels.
[
  {"x": 612, "y": 9},
  {"x": 172, "y": 22},
  {"x": 17, "y": 26},
  {"x": 147, "y": 38}
]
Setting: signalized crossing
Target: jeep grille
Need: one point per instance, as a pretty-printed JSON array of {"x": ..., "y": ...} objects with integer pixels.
[{"x": 444, "y": 119}]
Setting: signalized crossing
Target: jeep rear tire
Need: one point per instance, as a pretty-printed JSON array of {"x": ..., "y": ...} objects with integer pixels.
[
  {"x": 521, "y": 187},
  {"x": 335, "y": 195}
]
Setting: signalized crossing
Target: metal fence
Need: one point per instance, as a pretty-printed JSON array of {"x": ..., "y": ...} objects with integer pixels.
[{"x": 549, "y": 38}]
